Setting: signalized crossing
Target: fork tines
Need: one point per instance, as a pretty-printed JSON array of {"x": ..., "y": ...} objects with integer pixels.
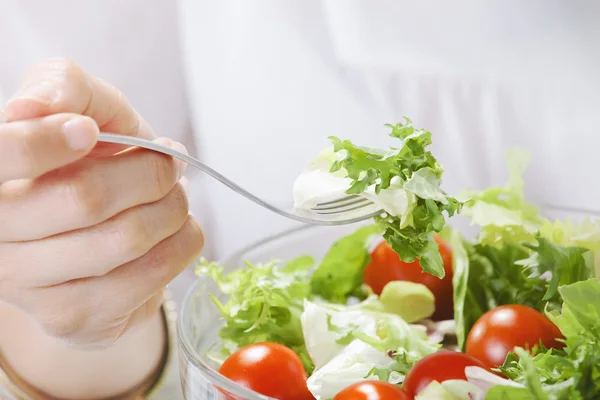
[{"x": 344, "y": 204}]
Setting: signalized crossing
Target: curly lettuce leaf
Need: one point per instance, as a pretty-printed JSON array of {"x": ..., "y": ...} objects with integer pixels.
[
  {"x": 488, "y": 276},
  {"x": 409, "y": 176},
  {"x": 340, "y": 273},
  {"x": 572, "y": 372},
  {"x": 263, "y": 302}
]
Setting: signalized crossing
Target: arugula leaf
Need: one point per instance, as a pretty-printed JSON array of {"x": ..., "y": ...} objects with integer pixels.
[
  {"x": 265, "y": 303},
  {"x": 408, "y": 176},
  {"x": 340, "y": 273}
]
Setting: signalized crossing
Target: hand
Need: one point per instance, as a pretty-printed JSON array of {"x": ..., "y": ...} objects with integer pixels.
[{"x": 89, "y": 233}]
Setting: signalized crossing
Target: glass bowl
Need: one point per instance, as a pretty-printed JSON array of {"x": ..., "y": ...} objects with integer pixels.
[{"x": 199, "y": 322}]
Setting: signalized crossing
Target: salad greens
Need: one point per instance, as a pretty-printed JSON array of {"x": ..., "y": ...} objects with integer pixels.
[
  {"x": 414, "y": 169},
  {"x": 513, "y": 261},
  {"x": 345, "y": 333},
  {"x": 351, "y": 343},
  {"x": 569, "y": 373},
  {"x": 340, "y": 273},
  {"x": 404, "y": 181},
  {"x": 265, "y": 304}
]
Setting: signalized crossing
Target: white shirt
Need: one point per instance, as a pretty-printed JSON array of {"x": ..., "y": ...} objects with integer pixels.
[{"x": 254, "y": 88}]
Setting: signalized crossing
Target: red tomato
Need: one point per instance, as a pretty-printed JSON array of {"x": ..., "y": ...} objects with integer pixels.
[
  {"x": 372, "y": 390},
  {"x": 386, "y": 266},
  {"x": 441, "y": 366},
  {"x": 500, "y": 330},
  {"x": 270, "y": 369}
]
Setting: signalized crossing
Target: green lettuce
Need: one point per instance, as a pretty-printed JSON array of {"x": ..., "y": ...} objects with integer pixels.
[
  {"x": 412, "y": 171},
  {"x": 264, "y": 302},
  {"x": 519, "y": 257},
  {"x": 502, "y": 213},
  {"x": 350, "y": 343},
  {"x": 340, "y": 273},
  {"x": 572, "y": 372}
]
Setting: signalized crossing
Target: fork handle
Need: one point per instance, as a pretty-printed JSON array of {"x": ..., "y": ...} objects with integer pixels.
[{"x": 147, "y": 144}]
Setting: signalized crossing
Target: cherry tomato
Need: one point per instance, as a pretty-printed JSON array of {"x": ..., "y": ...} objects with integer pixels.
[
  {"x": 441, "y": 366},
  {"x": 385, "y": 266},
  {"x": 500, "y": 330},
  {"x": 372, "y": 390},
  {"x": 270, "y": 369}
]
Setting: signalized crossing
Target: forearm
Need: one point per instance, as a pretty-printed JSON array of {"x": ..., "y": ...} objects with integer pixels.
[{"x": 70, "y": 372}]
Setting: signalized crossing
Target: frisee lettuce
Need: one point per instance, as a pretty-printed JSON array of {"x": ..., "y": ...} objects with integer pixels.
[
  {"x": 515, "y": 259},
  {"x": 415, "y": 173},
  {"x": 264, "y": 303},
  {"x": 572, "y": 372}
]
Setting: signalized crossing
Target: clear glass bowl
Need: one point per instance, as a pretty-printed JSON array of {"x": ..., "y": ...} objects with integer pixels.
[{"x": 199, "y": 322}]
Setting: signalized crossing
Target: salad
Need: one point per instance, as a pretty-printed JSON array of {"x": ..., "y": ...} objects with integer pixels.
[{"x": 405, "y": 307}]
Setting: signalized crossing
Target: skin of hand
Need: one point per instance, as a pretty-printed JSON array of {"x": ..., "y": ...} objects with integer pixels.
[{"x": 90, "y": 234}]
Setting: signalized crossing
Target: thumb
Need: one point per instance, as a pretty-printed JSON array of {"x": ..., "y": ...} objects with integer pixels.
[{"x": 31, "y": 148}]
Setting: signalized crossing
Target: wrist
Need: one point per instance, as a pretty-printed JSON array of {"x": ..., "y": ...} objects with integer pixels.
[{"x": 35, "y": 360}]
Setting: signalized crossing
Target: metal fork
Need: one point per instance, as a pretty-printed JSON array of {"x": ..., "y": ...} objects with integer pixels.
[{"x": 342, "y": 211}]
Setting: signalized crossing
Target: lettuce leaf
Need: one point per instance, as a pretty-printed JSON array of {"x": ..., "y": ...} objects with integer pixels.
[
  {"x": 340, "y": 273},
  {"x": 264, "y": 302},
  {"x": 519, "y": 257},
  {"x": 502, "y": 213},
  {"x": 572, "y": 372},
  {"x": 409, "y": 175},
  {"x": 351, "y": 343}
]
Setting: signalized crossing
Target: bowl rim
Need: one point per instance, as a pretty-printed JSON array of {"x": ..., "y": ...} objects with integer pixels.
[{"x": 213, "y": 376}]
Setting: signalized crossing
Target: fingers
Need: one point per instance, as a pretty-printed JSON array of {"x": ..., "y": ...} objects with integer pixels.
[
  {"x": 32, "y": 148},
  {"x": 86, "y": 193},
  {"x": 97, "y": 250},
  {"x": 138, "y": 280},
  {"x": 83, "y": 310},
  {"x": 59, "y": 85}
]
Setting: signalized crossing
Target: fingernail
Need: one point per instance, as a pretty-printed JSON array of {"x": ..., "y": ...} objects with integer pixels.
[
  {"x": 80, "y": 133},
  {"x": 42, "y": 92}
]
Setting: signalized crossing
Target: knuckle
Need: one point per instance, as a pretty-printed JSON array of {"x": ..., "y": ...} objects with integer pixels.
[
  {"x": 60, "y": 64},
  {"x": 162, "y": 171},
  {"x": 66, "y": 73},
  {"x": 159, "y": 264},
  {"x": 180, "y": 203},
  {"x": 63, "y": 323},
  {"x": 132, "y": 235},
  {"x": 86, "y": 199},
  {"x": 196, "y": 235},
  {"x": 64, "y": 69}
]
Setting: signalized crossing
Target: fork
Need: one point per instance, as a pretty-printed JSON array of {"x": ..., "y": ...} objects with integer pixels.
[{"x": 341, "y": 211}]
